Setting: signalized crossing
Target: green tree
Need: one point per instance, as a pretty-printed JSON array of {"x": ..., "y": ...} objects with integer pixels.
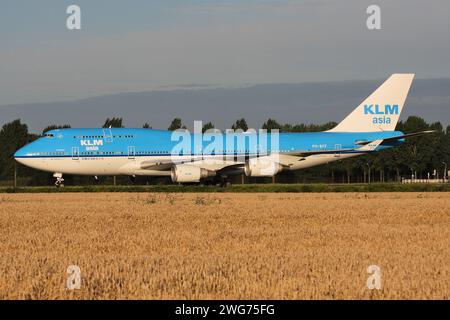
[
  {"x": 207, "y": 126},
  {"x": 309, "y": 127},
  {"x": 421, "y": 155},
  {"x": 417, "y": 150},
  {"x": 54, "y": 127},
  {"x": 271, "y": 124},
  {"x": 113, "y": 123},
  {"x": 13, "y": 136},
  {"x": 176, "y": 124},
  {"x": 147, "y": 126},
  {"x": 240, "y": 124}
]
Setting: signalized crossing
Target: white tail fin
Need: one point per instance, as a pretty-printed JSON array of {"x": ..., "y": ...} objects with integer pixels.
[{"x": 381, "y": 110}]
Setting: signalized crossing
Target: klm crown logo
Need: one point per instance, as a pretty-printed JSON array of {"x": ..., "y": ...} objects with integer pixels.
[{"x": 377, "y": 109}]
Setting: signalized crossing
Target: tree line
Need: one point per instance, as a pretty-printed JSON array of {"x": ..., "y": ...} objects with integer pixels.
[{"x": 420, "y": 157}]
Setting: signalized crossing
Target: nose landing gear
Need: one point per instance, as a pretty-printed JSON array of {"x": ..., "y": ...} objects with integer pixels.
[{"x": 59, "y": 183}]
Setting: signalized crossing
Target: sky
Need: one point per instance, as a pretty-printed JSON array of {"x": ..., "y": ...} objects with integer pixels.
[
  {"x": 318, "y": 102},
  {"x": 144, "y": 45}
]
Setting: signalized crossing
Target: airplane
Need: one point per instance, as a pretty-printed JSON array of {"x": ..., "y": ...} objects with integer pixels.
[{"x": 369, "y": 128}]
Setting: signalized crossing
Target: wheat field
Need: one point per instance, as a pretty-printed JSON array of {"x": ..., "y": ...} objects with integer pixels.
[{"x": 225, "y": 246}]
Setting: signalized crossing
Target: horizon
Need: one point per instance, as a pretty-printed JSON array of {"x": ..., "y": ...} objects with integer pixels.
[{"x": 194, "y": 87}]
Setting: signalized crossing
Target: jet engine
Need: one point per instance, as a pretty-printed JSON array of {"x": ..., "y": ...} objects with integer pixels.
[
  {"x": 262, "y": 167},
  {"x": 184, "y": 173}
]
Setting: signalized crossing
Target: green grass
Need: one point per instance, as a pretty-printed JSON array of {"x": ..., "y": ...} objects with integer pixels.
[{"x": 374, "y": 187}]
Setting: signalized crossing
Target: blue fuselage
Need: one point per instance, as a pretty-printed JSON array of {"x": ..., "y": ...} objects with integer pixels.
[{"x": 147, "y": 142}]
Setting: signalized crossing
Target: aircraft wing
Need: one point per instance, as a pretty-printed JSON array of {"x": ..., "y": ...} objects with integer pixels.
[
  {"x": 159, "y": 166},
  {"x": 200, "y": 161},
  {"x": 166, "y": 165},
  {"x": 285, "y": 159}
]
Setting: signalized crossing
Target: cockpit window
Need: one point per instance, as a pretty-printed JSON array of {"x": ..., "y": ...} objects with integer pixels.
[{"x": 49, "y": 135}]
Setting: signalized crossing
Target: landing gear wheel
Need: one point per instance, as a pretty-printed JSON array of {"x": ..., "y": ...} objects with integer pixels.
[
  {"x": 223, "y": 182},
  {"x": 59, "y": 183}
]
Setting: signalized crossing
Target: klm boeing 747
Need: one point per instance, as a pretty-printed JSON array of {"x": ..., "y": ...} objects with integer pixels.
[{"x": 193, "y": 157}]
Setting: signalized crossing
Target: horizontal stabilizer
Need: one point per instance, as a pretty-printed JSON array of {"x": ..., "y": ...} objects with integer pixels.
[{"x": 408, "y": 135}]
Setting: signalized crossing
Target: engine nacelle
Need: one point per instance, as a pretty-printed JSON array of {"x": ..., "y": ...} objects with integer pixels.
[
  {"x": 187, "y": 173},
  {"x": 262, "y": 167}
]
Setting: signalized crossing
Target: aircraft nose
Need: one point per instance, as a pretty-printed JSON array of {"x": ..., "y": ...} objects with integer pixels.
[{"x": 20, "y": 154}]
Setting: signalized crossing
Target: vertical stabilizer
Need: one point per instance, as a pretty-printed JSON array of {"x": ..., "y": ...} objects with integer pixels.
[{"x": 381, "y": 110}]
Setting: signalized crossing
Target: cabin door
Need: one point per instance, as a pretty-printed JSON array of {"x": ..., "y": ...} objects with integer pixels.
[
  {"x": 75, "y": 153},
  {"x": 107, "y": 135},
  {"x": 337, "y": 147},
  {"x": 131, "y": 152}
]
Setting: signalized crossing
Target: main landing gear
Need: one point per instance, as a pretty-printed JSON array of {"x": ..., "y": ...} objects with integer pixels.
[
  {"x": 59, "y": 183},
  {"x": 224, "y": 181},
  {"x": 221, "y": 181}
]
